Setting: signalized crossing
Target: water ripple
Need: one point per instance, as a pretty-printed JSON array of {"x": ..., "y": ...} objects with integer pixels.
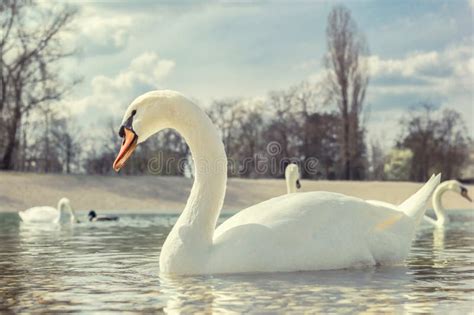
[{"x": 113, "y": 267}]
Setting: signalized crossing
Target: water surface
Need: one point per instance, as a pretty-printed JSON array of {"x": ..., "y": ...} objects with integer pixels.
[{"x": 113, "y": 266}]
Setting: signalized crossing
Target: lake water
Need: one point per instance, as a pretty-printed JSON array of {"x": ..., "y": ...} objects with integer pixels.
[{"x": 113, "y": 266}]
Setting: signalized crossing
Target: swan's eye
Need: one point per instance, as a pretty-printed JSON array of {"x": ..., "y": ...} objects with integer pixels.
[{"x": 134, "y": 112}]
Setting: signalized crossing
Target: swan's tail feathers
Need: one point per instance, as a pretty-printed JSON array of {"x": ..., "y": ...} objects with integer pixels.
[{"x": 415, "y": 206}]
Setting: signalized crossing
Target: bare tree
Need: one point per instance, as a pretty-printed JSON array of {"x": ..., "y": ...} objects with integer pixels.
[
  {"x": 102, "y": 152},
  {"x": 347, "y": 80},
  {"x": 323, "y": 132},
  {"x": 67, "y": 140},
  {"x": 283, "y": 129},
  {"x": 251, "y": 125},
  {"x": 305, "y": 99},
  {"x": 420, "y": 139},
  {"x": 49, "y": 142},
  {"x": 240, "y": 123},
  {"x": 377, "y": 161},
  {"x": 224, "y": 114},
  {"x": 438, "y": 141},
  {"x": 30, "y": 54}
]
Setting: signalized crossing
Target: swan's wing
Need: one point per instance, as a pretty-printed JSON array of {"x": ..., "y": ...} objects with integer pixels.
[
  {"x": 39, "y": 214},
  {"x": 312, "y": 209},
  {"x": 384, "y": 204},
  {"x": 315, "y": 230},
  {"x": 391, "y": 219}
]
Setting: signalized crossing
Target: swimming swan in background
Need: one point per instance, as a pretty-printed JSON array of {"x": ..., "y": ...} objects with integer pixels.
[
  {"x": 441, "y": 216},
  {"x": 293, "y": 232},
  {"x": 49, "y": 214},
  {"x": 292, "y": 178}
]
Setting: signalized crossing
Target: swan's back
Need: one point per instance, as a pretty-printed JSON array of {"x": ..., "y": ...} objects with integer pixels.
[
  {"x": 39, "y": 215},
  {"x": 312, "y": 210},
  {"x": 311, "y": 231}
]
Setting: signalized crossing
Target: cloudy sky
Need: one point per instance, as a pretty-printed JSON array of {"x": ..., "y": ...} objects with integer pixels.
[{"x": 420, "y": 51}]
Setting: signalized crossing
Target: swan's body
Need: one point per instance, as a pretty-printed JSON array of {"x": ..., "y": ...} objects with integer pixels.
[
  {"x": 306, "y": 231},
  {"x": 292, "y": 178},
  {"x": 49, "y": 214},
  {"x": 441, "y": 217}
]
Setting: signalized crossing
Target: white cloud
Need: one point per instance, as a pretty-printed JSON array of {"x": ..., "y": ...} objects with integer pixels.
[
  {"x": 407, "y": 66},
  {"x": 145, "y": 70},
  {"x": 444, "y": 77},
  {"x": 111, "y": 93},
  {"x": 446, "y": 73},
  {"x": 98, "y": 32}
]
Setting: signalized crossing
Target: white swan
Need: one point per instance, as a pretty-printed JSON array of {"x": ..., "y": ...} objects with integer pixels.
[
  {"x": 49, "y": 214},
  {"x": 441, "y": 216},
  {"x": 304, "y": 231},
  {"x": 292, "y": 178}
]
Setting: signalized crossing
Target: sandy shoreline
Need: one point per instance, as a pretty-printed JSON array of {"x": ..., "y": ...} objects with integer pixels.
[{"x": 164, "y": 194}]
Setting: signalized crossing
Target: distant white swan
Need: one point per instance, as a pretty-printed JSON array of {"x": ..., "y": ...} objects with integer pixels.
[
  {"x": 293, "y": 232},
  {"x": 292, "y": 178},
  {"x": 49, "y": 214},
  {"x": 441, "y": 216}
]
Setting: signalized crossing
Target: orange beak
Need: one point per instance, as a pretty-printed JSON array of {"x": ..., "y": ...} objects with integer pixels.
[{"x": 128, "y": 146}]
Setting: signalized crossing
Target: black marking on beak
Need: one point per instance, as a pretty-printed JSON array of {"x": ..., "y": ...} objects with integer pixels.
[
  {"x": 127, "y": 124},
  {"x": 298, "y": 184}
]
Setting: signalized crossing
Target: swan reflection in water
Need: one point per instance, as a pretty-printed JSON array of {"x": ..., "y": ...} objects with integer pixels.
[
  {"x": 30, "y": 233},
  {"x": 438, "y": 240},
  {"x": 368, "y": 289}
]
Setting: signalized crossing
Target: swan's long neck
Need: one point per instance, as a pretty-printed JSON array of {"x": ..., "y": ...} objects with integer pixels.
[
  {"x": 290, "y": 185},
  {"x": 195, "y": 227},
  {"x": 63, "y": 206},
  {"x": 441, "y": 217}
]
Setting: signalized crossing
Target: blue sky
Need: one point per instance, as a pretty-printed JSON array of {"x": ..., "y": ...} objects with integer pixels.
[{"x": 420, "y": 51}]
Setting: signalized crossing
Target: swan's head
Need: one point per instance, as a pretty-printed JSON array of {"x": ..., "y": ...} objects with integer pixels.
[
  {"x": 146, "y": 115},
  {"x": 292, "y": 175},
  {"x": 456, "y": 186}
]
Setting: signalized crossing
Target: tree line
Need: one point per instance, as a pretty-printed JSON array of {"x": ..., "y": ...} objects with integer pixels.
[
  {"x": 319, "y": 125},
  {"x": 34, "y": 138}
]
